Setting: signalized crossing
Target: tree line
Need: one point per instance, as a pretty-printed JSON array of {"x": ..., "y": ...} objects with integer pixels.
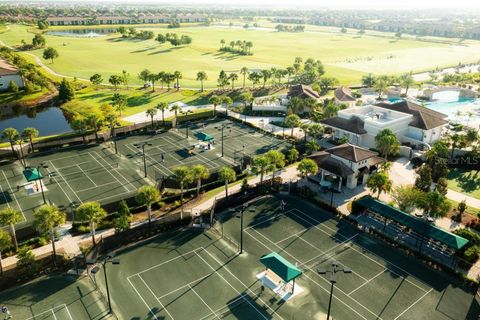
[
  {"x": 287, "y": 28},
  {"x": 240, "y": 47}
]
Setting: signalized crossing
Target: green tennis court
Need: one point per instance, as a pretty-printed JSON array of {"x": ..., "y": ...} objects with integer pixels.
[
  {"x": 190, "y": 274},
  {"x": 167, "y": 150},
  {"x": 55, "y": 298},
  {"x": 71, "y": 176}
]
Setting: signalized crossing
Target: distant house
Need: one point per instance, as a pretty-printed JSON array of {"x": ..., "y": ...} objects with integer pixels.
[
  {"x": 343, "y": 95},
  {"x": 9, "y": 73},
  {"x": 66, "y": 21},
  {"x": 410, "y": 122},
  {"x": 114, "y": 20},
  {"x": 189, "y": 17},
  {"x": 345, "y": 165}
]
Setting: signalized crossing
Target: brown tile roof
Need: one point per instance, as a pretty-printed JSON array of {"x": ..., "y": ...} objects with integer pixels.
[
  {"x": 302, "y": 91},
  {"x": 7, "y": 69},
  {"x": 344, "y": 94},
  {"x": 351, "y": 152},
  {"x": 66, "y": 19},
  {"x": 354, "y": 124},
  {"x": 325, "y": 161},
  {"x": 423, "y": 117}
]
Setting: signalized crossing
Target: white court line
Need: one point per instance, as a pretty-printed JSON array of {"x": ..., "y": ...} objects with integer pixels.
[
  {"x": 97, "y": 186},
  {"x": 149, "y": 309},
  {"x": 187, "y": 285},
  {"x": 85, "y": 174},
  {"x": 165, "y": 262},
  {"x": 200, "y": 157},
  {"x": 377, "y": 275},
  {"x": 105, "y": 168},
  {"x": 413, "y": 304},
  {"x": 316, "y": 283},
  {"x": 204, "y": 302},
  {"x": 54, "y": 316},
  {"x": 233, "y": 286},
  {"x": 153, "y": 294},
  {"x": 53, "y": 312},
  {"x": 353, "y": 248},
  {"x": 151, "y": 162},
  {"x": 68, "y": 311},
  {"x": 64, "y": 180},
  {"x": 14, "y": 196},
  {"x": 70, "y": 166}
]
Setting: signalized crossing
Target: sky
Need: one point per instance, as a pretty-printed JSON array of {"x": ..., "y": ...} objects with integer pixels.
[{"x": 301, "y": 4}]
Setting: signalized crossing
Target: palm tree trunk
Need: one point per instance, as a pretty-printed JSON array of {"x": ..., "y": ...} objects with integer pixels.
[
  {"x": 13, "y": 149},
  {"x": 378, "y": 196},
  {"x": 163, "y": 117},
  {"x": 181, "y": 194},
  {"x": 1, "y": 265},
  {"x": 92, "y": 230},
  {"x": 201, "y": 84},
  {"x": 226, "y": 188},
  {"x": 14, "y": 236},
  {"x": 199, "y": 184},
  {"x": 292, "y": 132},
  {"x": 244, "y": 77},
  {"x": 96, "y": 133},
  {"x": 261, "y": 176},
  {"x": 31, "y": 144},
  {"x": 52, "y": 239},
  {"x": 152, "y": 121},
  {"x": 149, "y": 212}
]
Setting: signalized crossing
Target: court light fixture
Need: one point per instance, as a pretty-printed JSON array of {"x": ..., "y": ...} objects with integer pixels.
[{"x": 333, "y": 280}]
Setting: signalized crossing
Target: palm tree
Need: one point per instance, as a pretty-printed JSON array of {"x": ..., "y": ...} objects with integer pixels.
[
  {"x": 94, "y": 121},
  {"x": 112, "y": 120},
  {"x": 277, "y": 161},
  {"x": 175, "y": 108},
  {"x": 80, "y": 126},
  {"x": 146, "y": 196},
  {"x": 227, "y": 101},
  {"x": 233, "y": 77},
  {"x": 199, "y": 172},
  {"x": 406, "y": 80},
  {"x": 10, "y": 217},
  {"x": 12, "y": 136},
  {"x": 266, "y": 74},
  {"x": 227, "y": 174},
  {"x": 93, "y": 213},
  {"x": 215, "y": 100},
  {"x": 178, "y": 75},
  {"x": 387, "y": 142},
  {"x": 5, "y": 243},
  {"x": 47, "y": 218},
  {"x": 201, "y": 76},
  {"x": 292, "y": 121},
  {"x": 379, "y": 182},
  {"x": 244, "y": 72},
  {"x": 293, "y": 155},
  {"x": 307, "y": 166},
  {"x": 381, "y": 83},
  {"x": 290, "y": 72},
  {"x": 455, "y": 141},
  {"x": 162, "y": 106},
  {"x": 183, "y": 175},
  {"x": 305, "y": 128},
  {"x": 260, "y": 165},
  {"x": 30, "y": 134},
  {"x": 222, "y": 42},
  {"x": 471, "y": 136},
  {"x": 151, "y": 112}
]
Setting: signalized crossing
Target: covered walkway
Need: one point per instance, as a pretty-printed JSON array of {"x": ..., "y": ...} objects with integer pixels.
[{"x": 419, "y": 234}]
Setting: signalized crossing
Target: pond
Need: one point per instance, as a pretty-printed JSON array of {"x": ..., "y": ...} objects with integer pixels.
[
  {"x": 82, "y": 33},
  {"x": 465, "y": 110},
  {"x": 48, "y": 121}
]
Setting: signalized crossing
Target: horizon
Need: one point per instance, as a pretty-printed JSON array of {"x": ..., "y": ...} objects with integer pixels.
[{"x": 284, "y": 4}]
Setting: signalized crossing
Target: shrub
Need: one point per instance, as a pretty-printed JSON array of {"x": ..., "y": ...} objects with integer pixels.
[
  {"x": 472, "y": 254},
  {"x": 26, "y": 258},
  {"x": 12, "y": 87}
]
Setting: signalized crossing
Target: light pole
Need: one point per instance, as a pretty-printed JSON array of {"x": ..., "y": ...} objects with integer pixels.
[
  {"x": 333, "y": 280},
  {"x": 223, "y": 127},
  {"x": 332, "y": 190},
  {"x": 142, "y": 145},
  {"x": 242, "y": 211},
  {"x": 110, "y": 259},
  {"x": 186, "y": 112}
]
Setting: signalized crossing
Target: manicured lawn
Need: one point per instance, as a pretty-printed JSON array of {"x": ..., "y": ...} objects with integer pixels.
[
  {"x": 8, "y": 97},
  {"x": 346, "y": 56},
  {"x": 467, "y": 182},
  {"x": 89, "y": 100}
]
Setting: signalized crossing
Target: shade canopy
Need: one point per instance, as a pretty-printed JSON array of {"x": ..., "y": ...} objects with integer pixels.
[
  {"x": 32, "y": 174},
  {"x": 280, "y": 266},
  {"x": 202, "y": 136},
  {"x": 418, "y": 225}
]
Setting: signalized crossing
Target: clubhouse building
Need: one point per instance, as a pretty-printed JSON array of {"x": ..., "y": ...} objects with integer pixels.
[
  {"x": 344, "y": 165},
  {"x": 413, "y": 124}
]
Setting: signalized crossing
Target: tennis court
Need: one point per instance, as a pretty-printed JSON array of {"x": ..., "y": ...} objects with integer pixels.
[
  {"x": 55, "y": 298},
  {"x": 72, "y": 176},
  {"x": 190, "y": 274},
  {"x": 171, "y": 149}
]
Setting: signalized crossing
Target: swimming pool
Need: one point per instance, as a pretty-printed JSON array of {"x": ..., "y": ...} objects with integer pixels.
[{"x": 449, "y": 103}]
